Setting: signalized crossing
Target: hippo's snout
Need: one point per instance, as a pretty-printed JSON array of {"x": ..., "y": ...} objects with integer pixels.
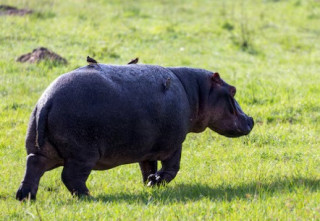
[
  {"x": 244, "y": 126},
  {"x": 250, "y": 124}
]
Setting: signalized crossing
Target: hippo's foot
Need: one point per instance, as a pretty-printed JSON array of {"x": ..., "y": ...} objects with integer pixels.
[
  {"x": 80, "y": 193},
  {"x": 26, "y": 192},
  {"x": 155, "y": 180},
  {"x": 161, "y": 178}
]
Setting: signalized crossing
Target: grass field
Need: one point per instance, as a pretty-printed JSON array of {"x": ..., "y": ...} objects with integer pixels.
[{"x": 268, "y": 49}]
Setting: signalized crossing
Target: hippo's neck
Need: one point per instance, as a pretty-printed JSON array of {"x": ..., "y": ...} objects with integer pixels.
[{"x": 196, "y": 83}]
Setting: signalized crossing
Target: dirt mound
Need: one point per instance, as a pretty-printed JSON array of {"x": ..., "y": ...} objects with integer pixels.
[
  {"x": 40, "y": 54},
  {"x": 10, "y": 10}
]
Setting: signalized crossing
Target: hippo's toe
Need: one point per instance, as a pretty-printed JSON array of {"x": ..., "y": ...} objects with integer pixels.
[
  {"x": 155, "y": 180},
  {"x": 24, "y": 193}
]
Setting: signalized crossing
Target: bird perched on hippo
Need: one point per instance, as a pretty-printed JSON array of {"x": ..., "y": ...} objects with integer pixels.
[
  {"x": 101, "y": 116},
  {"x": 134, "y": 61}
]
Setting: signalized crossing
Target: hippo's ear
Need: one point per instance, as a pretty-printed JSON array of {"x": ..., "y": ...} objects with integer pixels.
[{"x": 216, "y": 78}]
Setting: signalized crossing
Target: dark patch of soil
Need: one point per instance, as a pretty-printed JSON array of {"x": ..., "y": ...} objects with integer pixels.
[
  {"x": 10, "y": 10},
  {"x": 40, "y": 54}
]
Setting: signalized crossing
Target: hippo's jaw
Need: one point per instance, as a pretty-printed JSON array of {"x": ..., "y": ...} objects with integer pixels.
[{"x": 236, "y": 127}]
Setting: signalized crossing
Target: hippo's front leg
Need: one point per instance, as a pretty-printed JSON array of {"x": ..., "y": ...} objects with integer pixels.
[
  {"x": 169, "y": 170},
  {"x": 147, "y": 168}
]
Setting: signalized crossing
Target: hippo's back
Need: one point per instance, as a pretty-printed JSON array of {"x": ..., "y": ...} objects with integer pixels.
[{"x": 115, "y": 109}]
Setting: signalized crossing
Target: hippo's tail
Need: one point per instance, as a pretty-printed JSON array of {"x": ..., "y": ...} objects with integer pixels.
[
  {"x": 41, "y": 124},
  {"x": 36, "y": 130}
]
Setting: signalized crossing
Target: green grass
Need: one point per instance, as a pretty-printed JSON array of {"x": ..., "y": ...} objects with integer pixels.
[{"x": 270, "y": 50}]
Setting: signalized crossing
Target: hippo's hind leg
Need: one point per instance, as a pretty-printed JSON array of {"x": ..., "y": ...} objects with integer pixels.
[
  {"x": 36, "y": 166},
  {"x": 169, "y": 170},
  {"x": 75, "y": 174},
  {"x": 147, "y": 168}
]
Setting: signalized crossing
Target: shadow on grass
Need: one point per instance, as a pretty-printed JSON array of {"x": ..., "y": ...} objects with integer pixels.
[
  {"x": 3, "y": 197},
  {"x": 197, "y": 191}
]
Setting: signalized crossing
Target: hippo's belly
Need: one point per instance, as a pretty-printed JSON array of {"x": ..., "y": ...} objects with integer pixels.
[{"x": 122, "y": 121}]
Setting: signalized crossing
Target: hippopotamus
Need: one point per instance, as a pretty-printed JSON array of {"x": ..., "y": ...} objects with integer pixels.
[{"x": 101, "y": 116}]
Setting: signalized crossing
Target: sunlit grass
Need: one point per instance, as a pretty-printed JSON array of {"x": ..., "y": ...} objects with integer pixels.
[{"x": 274, "y": 173}]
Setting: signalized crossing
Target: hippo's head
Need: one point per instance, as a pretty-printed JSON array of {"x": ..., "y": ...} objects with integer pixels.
[{"x": 226, "y": 116}]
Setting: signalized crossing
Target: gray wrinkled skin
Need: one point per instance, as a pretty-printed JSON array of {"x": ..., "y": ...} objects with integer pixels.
[{"x": 101, "y": 116}]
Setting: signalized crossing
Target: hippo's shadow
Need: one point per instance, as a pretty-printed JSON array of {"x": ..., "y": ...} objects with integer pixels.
[{"x": 197, "y": 191}]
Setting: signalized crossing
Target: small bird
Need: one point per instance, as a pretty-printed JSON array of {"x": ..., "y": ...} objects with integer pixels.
[
  {"x": 134, "y": 61},
  {"x": 91, "y": 60},
  {"x": 166, "y": 84}
]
